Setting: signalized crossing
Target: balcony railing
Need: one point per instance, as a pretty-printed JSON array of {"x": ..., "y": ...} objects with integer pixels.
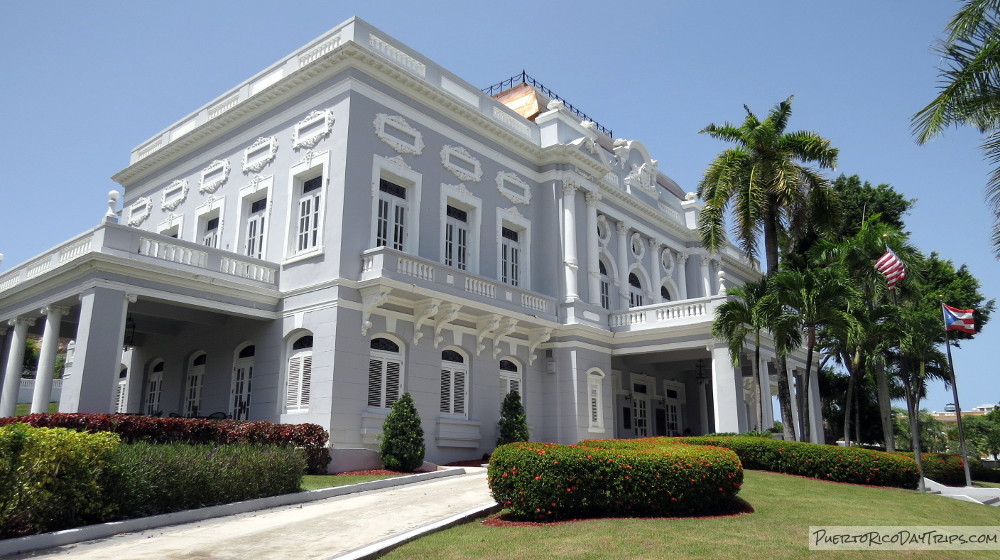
[
  {"x": 668, "y": 314},
  {"x": 389, "y": 263},
  {"x": 134, "y": 244}
]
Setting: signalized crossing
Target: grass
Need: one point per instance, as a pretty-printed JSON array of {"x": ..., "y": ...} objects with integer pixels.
[
  {"x": 785, "y": 506},
  {"x": 23, "y": 409},
  {"x": 981, "y": 484},
  {"x": 317, "y": 481}
]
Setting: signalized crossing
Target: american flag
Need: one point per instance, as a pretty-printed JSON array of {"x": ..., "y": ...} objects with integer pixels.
[
  {"x": 892, "y": 267},
  {"x": 959, "y": 319}
]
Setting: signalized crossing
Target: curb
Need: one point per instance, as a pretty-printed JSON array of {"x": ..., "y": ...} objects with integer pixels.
[
  {"x": 104, "y": 530},
  {"x": 382, "y": 547}
]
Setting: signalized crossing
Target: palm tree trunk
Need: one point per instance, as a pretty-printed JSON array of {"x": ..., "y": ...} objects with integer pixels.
[
  {"x": 885, "y": 408},
  {"x": 784, "y": 400},
  {"x": 770, "y": 227},
  {"x": 914, "y": 425},
  {"x": 757, "y": 386},
  {"x": 848, "y": 403},
  {"x": 806, "y": 380}
]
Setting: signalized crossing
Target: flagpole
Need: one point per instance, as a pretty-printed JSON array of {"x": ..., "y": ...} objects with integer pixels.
[{"x": 958, "y": 407}]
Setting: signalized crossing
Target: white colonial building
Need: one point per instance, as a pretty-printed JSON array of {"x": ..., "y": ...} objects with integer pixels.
[{"x": 356, "y": 221}]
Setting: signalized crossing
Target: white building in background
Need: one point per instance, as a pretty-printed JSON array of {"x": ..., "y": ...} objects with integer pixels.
[{"x": 356, "y": 221}]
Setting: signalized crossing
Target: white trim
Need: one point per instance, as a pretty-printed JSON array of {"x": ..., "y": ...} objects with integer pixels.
[
  {"x": 139, "y": 210},
  {"x": 384, "y": 125},
  {"x": 396, "y": 170},
  {"x": 505, "y": 377},
  {"x": 212, "y": 208},
  {"x": 460, "y": 197},
  {"x": 247, "y": 363},
  {"x": 386, "y": 357},
  {"x": 302, "y": 359},
  {"x": 595, "y": 399},
  {"x": 214, "y": 176},
  {"x": 449, "y": 155},
  {"x": 513, "y": 188},
  {"x": 257, "y": 155},
  {"x": 316, "y": 125},
  {"x": 512, "y": 217},
  {"x": 192, "y": 403},
  {"x": 248, "y": 195},
  {"x": 174, "y": 194},
  {"x": 173, "y": 221},
  {"x": 454, "y": 368},
  {"x": 298, "y": 174}
]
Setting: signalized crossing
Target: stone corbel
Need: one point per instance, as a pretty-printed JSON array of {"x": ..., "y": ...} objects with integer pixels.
[
  {"x": 485, "y": 327},
  {"x": 507, "y": 326},
  {"x": 447, "y": 312},
  {"x": 535, "y": 338},
  {"x": 424, "y": 311},
  {"x": 371, "y": 297}
]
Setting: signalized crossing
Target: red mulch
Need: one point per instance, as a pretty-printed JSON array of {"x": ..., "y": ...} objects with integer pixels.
[
  {"x": 469, "y": 463},
  {"x": 739, "y": 507}
]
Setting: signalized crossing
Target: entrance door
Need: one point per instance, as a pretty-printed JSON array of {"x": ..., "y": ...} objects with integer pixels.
[
  {"x": 242, "y": 378},
  {"x": 640, "y": 408}
]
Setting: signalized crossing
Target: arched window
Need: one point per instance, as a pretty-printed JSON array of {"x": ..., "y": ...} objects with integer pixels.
[
  {"x": 510, "y": 379},
  {"x": 122, "y": 391},
  {"x": 192, "y": 394},
  {"x": 634, "y": 290},
  {"x": 605, "y": 285},
  {"x": 454, "y": 386},
  {"x": 385, "y": 373},
  {"x": 153, "y": 389},
  {"x": 664, "y": 293},
  {"x": 595, "y": 392},
  {"x": 242, "y": 379},
  {"x": 299, "y": 374}
]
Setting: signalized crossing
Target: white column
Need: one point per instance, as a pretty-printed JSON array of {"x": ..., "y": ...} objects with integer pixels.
[
  {"x": 623, "y": 268},
  {"x": 47, "y": 358},
  {"x": 654, "y": 253},
  {"x": 815, "y": 411},
  {"x": 730, "y": 414},
  {"x": 569, "y": 238},
  {"x": 765, "y": 393},
  {"x": 593, "y": 249},
  {"x": 15, "y": 364},
  {"x": 4, "y": 347},
  {"x": 793, "y": 396},
  {"x": 706, "y": 278},
  {"x": 92, "y": 386},
  {"x": 682, "y": 277}
]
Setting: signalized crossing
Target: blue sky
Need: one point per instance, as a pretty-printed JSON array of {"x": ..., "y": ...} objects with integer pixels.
[{"x": 85, "y": 82}]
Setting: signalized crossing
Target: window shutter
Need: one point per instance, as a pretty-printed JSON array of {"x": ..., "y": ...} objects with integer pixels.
[
  {"x": 375, "y": 367},
  {"x": 294, "y": 377},
  {"x": 445, "y": 390},
  {"x": 459, "y": 392},
  {"x": 306, "y": 380},
  {"x": 593, "y": 405},
  {"x": 391, "y": 383},
  {"x": 515, "y": 385}
]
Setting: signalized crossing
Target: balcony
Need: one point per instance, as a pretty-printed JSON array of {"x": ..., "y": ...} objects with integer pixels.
[
  {"x": 408, "y": 269},
  {"x": 684, "y": 313},
  {"x": 145, "y": 250}
]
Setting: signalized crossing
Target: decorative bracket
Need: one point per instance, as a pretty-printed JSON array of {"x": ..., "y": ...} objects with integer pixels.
[
  {"x": 424, "y": 311},
  {"x": 507, "y": 326},
  {"x": 484, "y": 328},
  {"x": 371, "y": 297},
  {"x": 447, "y": 313},
  {"x": 535, "y": 338}
]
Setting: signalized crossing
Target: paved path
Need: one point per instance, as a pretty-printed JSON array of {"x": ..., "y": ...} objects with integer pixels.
[
  {"x": 985, "y": 496},
  {"x": 323, "y": 529}
]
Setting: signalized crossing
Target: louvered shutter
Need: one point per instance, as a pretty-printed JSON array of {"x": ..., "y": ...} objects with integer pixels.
[
  {"x": 375, "y": 368},
  {"x": 445, "y": 390},
  {"x": 391, "y": 382},
  {"x": 459, "y": 394}
]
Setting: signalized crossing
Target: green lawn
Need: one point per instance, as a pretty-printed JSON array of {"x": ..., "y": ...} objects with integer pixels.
[
  {"x": 317, "y": 481},
  {"x": 981, "y": 484},
  {"x": 23, "y": 409},
  {"x": 785, "y": 507}
]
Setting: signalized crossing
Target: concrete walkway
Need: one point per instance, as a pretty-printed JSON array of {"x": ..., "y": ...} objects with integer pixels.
[
  {"x": 985, "y": 496},
  {"x": 353, "y": 526}
]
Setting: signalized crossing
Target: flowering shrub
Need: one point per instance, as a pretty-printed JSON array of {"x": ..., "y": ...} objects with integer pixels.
[
  {"x": 132, "y": 428},
  {"x": 651, "y": 477},
  {"x": 825, "y": 462},
  {"x": 50, "y": 479}
]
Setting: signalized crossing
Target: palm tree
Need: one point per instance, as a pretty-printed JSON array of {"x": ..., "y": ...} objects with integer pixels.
[
  {"x": 765, "y": 180},
  {"x": 739, "y": 317},
  {"x": 816, "y": 296},
  {"x": 970, "y": 91}
]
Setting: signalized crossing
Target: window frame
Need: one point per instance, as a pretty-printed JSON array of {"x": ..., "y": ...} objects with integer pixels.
[
  {"x": 595, "y": 399},
  {"x": 249, "y": 195},
  {"x": 513, "y": 220},
  {"x": 453, "y": 369},
  {"x": 301, "y": 385},
  {"x": 397, "y": 172},
  {"x": 192, "y": 392},
  {"x": 386, "y": 357},
  {"x": 298, "y": 176},
  {"x": 460, "y": 197},
  {"x": 506, "y": 377},
  {"x": 214, "y": 208},
  {"x": 153, "y": 398}
]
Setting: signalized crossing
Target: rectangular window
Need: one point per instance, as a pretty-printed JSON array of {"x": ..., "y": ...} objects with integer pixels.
[
  {"x": 210, "y": 238},
  {"x": 192, "y": 400},
  {"x": 391, "y": 227},
  {"x": 254, "y": 243},
  {"x": 309, "y": 215},
  {"x": 153, "y": 394},
  {"x": 510, "y": 257},
  {"x": 383, "y": 382},
  {"x": 605, "y": 294},
  {"x": 456, "y": 238},
  {"x": 453, "y": 391}
]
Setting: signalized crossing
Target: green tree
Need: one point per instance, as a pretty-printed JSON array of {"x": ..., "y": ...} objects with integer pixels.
[
  {"x": 402, "y": 446},
  {"x": 970, "y": 90},
  {"x": 513, "y": 422},
  {"x": 859, "y": 201},
  {"x": 741, "y": 316},
  {"x": 765, "y": 179}
]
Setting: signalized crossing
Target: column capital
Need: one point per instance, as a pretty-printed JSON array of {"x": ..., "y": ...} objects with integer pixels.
[
  {"x": 623, "y": 227},
  {"x": 132, "y": 298},
  {"x": 593, "y": 198},
  {"x": 55, "y": 310},
  {"x": 682, "y": 258},
  {"x": 569, "y": 187},
  {"x": 705, "y": 260},
  {"x": 29, "y": 321},
  {"x": 654, "y": 244}
]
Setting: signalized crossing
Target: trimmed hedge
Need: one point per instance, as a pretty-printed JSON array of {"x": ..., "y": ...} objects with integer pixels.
[
  {"x": 51, "y": 479},
  {"x": 149, "y": 479},
  {"x": 825, "y": 462},
  {"x": 597, "y": 478},
  {"x": 942, "y": 467},
  {"x": 132, "y": 428}
]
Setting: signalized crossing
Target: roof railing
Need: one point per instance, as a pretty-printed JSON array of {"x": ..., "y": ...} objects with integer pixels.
[{"x": 524, "y": 78}]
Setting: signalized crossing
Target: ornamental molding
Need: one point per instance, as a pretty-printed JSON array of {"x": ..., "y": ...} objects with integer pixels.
[
  {"x": 513, "y": 188},
  {"x": 461, "y": 194},
  {"x": 642, "y": 177},
  {"x": 593, "y": 198},
  {"x": 447, "y": 313},
  {"x": 637, "y": 246},
  {"x": 461, "y": 163},
  {"x": 311, "y": 129},
  {"x": 214, "y": 176},
  {"x": 139, "y": 210},
  {"x": 259, "y": 154},
  {"x": 667, "y": 260},
  {"x": 603, "y": 230},
  {"x": 174, "y": 195},
  {"x": 511, "y": 212},
  {"x": 386, "y": 125}
]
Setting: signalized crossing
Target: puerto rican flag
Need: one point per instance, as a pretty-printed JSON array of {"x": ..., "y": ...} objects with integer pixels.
[
  {"x": 892, "y": 267},
  {"x": 959, "y": 319}
]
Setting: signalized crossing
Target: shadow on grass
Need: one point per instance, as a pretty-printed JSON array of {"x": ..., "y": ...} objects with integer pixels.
[{"x": 736, "y": 506}]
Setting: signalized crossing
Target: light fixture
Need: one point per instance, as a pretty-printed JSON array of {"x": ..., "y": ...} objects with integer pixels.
[
  {"x": 128, "y": 341},
  {"x": 700, "y": 369}
]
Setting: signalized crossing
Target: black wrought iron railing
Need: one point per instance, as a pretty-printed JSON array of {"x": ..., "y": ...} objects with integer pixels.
[{"x": 524, "y": 78}]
